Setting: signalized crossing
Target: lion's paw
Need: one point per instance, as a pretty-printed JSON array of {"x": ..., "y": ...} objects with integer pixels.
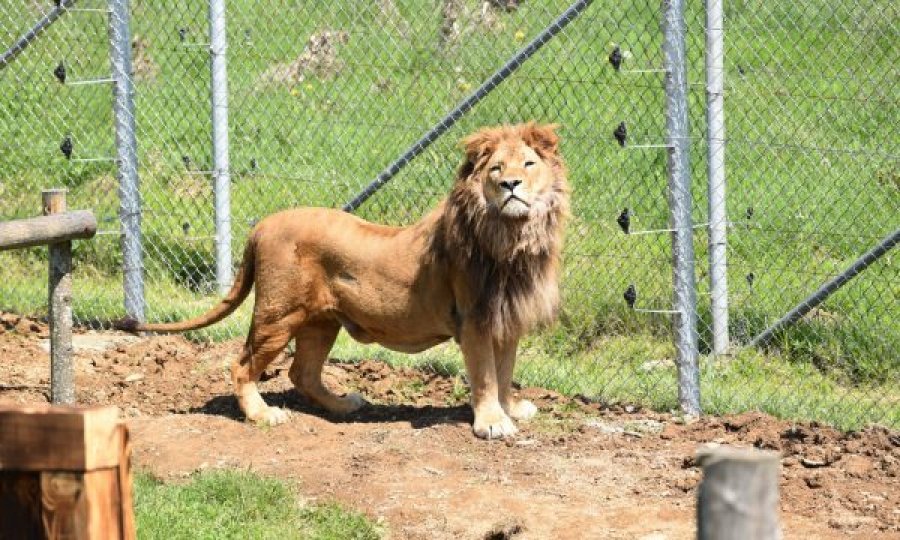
[
  {"x": 354, "y": 402},
  {"x": 271, "y": 416},
  {"x": 494, "y": 426},
  {"x": 347, "y": 404},
  {"x": 521, "y": 409}
]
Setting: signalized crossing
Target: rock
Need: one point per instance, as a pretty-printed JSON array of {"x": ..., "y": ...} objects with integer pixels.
[
  {"x": 505, "y": 530},
  {"x": 9, "y": 320},
  {"x": 813, "y": 482},
  {"x": 856, "y": 466},
  {"x": 25, "y": 327},
  {"x": 134, "y": 377},
  {"x": 813, "y": 463}
]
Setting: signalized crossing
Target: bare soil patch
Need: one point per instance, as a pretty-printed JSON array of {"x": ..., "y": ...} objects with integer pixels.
[{"x": 580, "y": 470}]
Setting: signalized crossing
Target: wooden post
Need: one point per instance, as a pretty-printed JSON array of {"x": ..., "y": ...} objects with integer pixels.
[
  {"x": 65, "y": 474},
  {"x": 62, "y": 374},
  {"x": 738, "y": 497}
]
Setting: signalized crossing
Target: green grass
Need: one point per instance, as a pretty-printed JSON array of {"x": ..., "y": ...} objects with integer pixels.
[
  {"x": 231, "y": 504},
  {"x": 810, "y": 157}
]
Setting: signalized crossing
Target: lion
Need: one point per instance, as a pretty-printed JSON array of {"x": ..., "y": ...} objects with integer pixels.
[{"x": 481, "y": 268}]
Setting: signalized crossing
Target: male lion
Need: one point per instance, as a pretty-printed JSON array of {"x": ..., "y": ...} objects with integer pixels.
[{"x": 481, "y": 268}]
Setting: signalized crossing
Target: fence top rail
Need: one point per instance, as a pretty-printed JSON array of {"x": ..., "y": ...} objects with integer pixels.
[{"x": 62, "y": 227}]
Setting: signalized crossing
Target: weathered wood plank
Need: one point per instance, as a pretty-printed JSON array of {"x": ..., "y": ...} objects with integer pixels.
[
  {"x": 102, "y": 504},
  {"x": 20, "y": 233},
  {"x": 20, "y": 505},
  {"x": 126, "y": 486},
  {"x": 42, "y": 437}
]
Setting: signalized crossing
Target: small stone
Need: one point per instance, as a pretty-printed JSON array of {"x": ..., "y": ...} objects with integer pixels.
[
  {"x": 812, "y": 463},
  {"x": 134, "y": 377},
  {"x": 857, "y": 466},
  {"x": 813, "y": 482}
]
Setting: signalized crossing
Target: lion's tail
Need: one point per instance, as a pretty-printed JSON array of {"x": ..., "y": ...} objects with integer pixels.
[{"x": 243, "y": 282}]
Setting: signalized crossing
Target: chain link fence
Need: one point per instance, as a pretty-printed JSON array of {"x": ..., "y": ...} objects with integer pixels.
[{"x": 322, "y": 98}]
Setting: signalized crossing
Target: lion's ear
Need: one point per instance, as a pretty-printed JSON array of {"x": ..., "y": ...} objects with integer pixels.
[
  {"x": 480, "y": 144},
  {"x": 476, "y": 146},
  {"x": 542, "y": 138}
]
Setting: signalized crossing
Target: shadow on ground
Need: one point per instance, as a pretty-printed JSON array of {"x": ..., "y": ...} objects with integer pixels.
[{"x": 417, "y": 416}]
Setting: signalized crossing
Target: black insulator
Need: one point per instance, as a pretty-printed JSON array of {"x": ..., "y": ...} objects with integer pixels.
[
  {"x": 630, "y": 295},
  {"x": 621, "y": 133},
  {"x": 60, "y": 73},
  {"x": 615, "y": 58},
  {"x": 751, "y": 277},
  {"x": 624, "y": 220},
  {"x": 66, "y": 147}
]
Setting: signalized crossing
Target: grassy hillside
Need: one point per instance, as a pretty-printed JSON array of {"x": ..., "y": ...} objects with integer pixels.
[{"x": 323, "y": 97}]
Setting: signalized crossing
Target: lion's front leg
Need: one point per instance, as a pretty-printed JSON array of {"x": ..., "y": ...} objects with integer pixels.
[
  {"x": 491, "y": 421},
  {"x": 505, "y": 359}
]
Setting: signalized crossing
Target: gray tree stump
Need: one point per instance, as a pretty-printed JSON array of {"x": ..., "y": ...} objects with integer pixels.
[
  {"x": 738, "y": 497},
  {"x": 62, "y": 373}
]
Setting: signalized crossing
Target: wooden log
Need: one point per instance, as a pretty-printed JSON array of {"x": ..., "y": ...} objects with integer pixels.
[
  {"x": 64, "y": 473},
  {"x": 62, "y": 373},
  {"x": 738, "y": 496},
  {"x": 21, "y": 233}
]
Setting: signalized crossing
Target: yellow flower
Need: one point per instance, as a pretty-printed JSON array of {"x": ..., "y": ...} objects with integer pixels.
[
  {"x": 309, "y": 87},
  {"x": 520, "y": 35},
  {"x": 465, "y": 86},
  {"x": 295, "y": 92}
]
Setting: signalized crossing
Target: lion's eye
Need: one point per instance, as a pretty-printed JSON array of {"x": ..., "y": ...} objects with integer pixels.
[
  {"x": 495, "y": 168},
  {"x": 529, "y": 164}
]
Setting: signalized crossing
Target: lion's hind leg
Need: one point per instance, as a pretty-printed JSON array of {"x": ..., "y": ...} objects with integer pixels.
[
  {"x": 314, "y": 342},
  {"x": 263, "y": 345}
]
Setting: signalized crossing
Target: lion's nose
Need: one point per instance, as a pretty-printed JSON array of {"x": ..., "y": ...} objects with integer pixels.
[{"x": 510, "y": 185}]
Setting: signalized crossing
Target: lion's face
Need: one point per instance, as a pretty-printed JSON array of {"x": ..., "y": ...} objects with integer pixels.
[
  {"x": 515, "y": 171},
  {"x": 514, "y": 179}
]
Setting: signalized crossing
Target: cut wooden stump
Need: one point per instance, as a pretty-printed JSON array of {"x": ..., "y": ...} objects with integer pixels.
[
  {"x": 65, "y": 473},
  {"x": 738, "y": 497}
]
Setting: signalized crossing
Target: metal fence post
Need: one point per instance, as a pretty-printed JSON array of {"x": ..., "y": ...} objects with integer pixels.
[
  {"x": 221, "y": 170},
  {"x": 126, "y": 149},
  {"x": 679, "y": 172},
  {"x": 715, "y": 134}
]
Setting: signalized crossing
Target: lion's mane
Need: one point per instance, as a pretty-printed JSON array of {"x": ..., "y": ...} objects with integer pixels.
[{"x": 510, "y": 266}]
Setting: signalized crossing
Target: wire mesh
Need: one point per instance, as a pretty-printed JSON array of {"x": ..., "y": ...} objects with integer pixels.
[{"x": 324, "y": 95}]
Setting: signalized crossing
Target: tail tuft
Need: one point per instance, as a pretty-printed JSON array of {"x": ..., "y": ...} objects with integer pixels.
[{"x": 126, "y": 324}]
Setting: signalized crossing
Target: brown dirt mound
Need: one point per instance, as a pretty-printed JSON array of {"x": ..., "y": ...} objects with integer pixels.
[{"x": 579, "y": 470}]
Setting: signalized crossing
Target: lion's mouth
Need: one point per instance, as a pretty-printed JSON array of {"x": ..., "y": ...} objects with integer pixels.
[{"x": 513, "y": 197}]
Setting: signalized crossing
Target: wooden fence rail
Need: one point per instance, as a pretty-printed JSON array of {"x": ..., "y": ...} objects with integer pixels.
[
  {"x": 57, "y": 228},
  {"x": 51, "y": 229}
]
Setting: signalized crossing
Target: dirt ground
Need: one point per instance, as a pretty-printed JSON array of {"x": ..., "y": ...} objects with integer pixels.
[{"x": 580, "y": 470}]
